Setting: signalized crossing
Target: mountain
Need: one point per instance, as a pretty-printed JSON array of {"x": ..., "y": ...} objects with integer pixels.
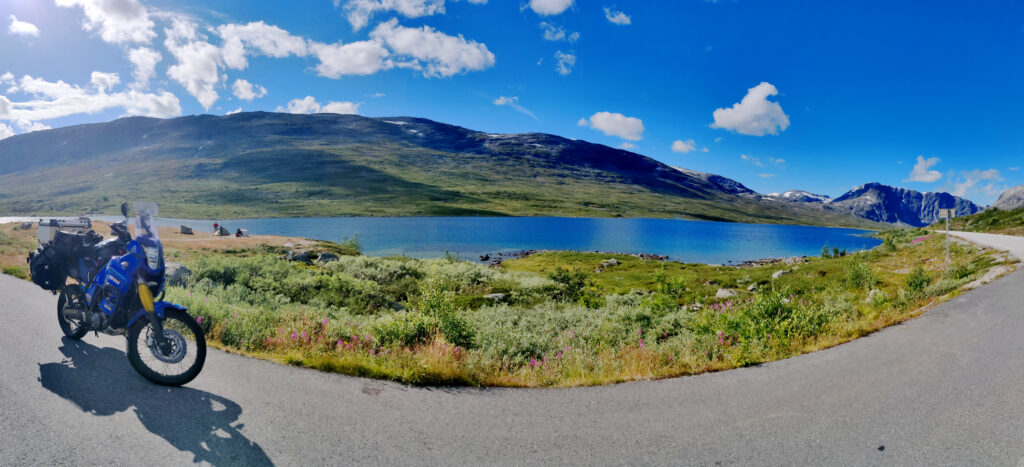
[
  {"x": 260, "y": 164},
  {"x": 1012, "y": 198},
  {"x": 726, "y": 185},
  {"x": 800, "y": 196},
  {"x": 894, "y": 205}
]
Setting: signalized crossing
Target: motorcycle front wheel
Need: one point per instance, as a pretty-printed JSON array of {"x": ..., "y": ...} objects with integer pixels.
[{"x": 184, "y": 359}]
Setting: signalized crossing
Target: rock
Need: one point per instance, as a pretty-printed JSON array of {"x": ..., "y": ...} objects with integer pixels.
[
  {"x": 752, "y": 287},
  {"x": 177, "y": 274},
  {"x": 873, "y": 295},
  {"x": 779, "y": 273},
  {"x": 26, "y": 225},
  {"x": 485, "y": 258},
  {"x": 725, "y": 293},
  {"x": 326, "y": 257},
  {"x": 609, "y": 262},
  {"x": 495, "y": 296},
  {"x": 792, "y": 260},
  {"x": 294, "y": 255}
]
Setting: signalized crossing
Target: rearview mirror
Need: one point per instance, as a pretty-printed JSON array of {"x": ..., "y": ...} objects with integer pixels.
[{"x": 124, "y": 209}]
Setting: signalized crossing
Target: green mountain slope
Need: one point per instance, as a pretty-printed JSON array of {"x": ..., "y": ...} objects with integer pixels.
[{"x": 272, "y": 165}]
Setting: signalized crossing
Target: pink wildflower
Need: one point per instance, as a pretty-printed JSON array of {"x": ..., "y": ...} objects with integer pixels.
[
  {"x": 294, "y": 336},
  {"x": 325, "y": 321},
  {"x": 199, "y": 319}
]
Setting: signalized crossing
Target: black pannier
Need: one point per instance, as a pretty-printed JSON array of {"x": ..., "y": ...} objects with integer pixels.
[
  {"x": 67, "y": 254},
  {"x": 48, "y": 268}
]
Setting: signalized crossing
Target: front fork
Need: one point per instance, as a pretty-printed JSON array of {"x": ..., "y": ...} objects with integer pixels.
[{"x": 146, "y": 298}]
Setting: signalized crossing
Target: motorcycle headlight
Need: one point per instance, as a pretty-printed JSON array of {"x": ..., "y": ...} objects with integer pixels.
[{"x": 152, "y": 256}]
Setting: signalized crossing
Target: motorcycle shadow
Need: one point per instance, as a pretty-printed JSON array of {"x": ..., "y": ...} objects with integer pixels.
[{"x": 100, "y": 381}]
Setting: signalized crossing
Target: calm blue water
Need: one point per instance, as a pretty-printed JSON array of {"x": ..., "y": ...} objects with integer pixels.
[{"x": 470, "y": 237}]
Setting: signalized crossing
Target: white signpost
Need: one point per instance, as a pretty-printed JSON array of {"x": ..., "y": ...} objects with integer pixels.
[{"x": 947, "y": 214}]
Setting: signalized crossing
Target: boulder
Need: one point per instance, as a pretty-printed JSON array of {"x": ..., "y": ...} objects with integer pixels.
[
  {"x": 873, "y": 295},
  {"x": 495, "y": 296},
  {"x": 726, "y": 293},
  {"x": 752, "y": 287},
  {"x": 779, "y": 273},
  {"x": 297, "y": 255},
  {"x": 177, "y": 274},
  {"x": 326, "y": 257},
  {"x": 609, "y": 262}
]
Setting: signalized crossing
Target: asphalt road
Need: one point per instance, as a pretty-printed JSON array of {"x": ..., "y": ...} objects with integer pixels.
[{"x": 943, "y": 389}]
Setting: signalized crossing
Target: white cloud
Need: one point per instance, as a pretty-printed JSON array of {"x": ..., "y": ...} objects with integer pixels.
[
  {"x": 258, "y": 37},
  {"x": 232, "y": 112},
  {"x": 683, "y": 146},
  {"x": 966, "y": 184},
  {"x": 766, "y": 175},
  {"x": 7, "y": 78},
  {"x": 309, "y": 105},
  {"x": 247, "y": 91},
  {"x": 359, "y": 12},
  {"x": 341, "y": 108},
  {"x": 104, "y": 82},
  {"x": 775, "y": 161},
  {"x": 513, "y": 102},
  {"x": 22, "y": 28},
  {"x": 378, "y": 95},
  {"x": 29, "y": 126},
  {"x": 705, "y": 149},
  {"x": 921, "y": 172},
  {"x": 627, "y": 145},
  {"x": 550, "y": 7},
  {"x": 615, "y": 124},
  {"x": 617, "y": 17},
  {"x": 554, "y": 33},
  {"x": 565, "y": 63},
  {"x": 144, "y": 62},
  {"x": 59, "y": 99},
  {"x": 6, "y": 131},
  {"x": 354, "y": 58},
  {"x": 753, "y": 160},
  {"x": 755, "y": 115},
  {"x": 199, "y": 62},
  {"x": 439, "y": 54},
  {"x": 718, "y": 139},
  {"x": 117, "y": 21}
]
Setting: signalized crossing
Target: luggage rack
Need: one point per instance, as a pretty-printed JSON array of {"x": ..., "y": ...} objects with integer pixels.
[{"x": 49, "y": 227}]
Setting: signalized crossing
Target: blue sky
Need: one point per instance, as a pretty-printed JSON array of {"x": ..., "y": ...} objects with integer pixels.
[{"x": 819, "y": 96}]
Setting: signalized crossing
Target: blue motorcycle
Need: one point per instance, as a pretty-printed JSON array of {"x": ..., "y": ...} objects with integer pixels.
[{"x": 116, "y": 297}]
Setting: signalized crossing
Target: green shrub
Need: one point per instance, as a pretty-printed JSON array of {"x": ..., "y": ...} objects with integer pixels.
[
  {"x": 15, "y": 271},
  {"x": 959, "y": 271},
  {"x": 859, "y": 275},
  {"x": 917, "y": 280},
  {"x": 571, "y": 284},
  {"x": 826, "y": 252}
]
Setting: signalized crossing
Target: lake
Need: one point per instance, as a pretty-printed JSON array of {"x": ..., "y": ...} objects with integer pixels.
[{"x": 470, "y": 237}]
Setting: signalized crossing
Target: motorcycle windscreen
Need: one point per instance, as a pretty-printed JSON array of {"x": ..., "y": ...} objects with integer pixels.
[{"x": 147, "y": 234}]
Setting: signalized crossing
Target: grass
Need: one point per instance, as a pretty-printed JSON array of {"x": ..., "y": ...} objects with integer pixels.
[
  {"x": 555, "y": 321},
  {"x": 991, "y": 220}
]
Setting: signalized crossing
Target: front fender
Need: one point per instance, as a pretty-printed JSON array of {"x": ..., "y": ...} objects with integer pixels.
[{"x": 159, "y": 308}]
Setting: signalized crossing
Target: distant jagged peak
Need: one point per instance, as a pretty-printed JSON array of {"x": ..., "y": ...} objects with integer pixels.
[{"x": 801, "y": 196}]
